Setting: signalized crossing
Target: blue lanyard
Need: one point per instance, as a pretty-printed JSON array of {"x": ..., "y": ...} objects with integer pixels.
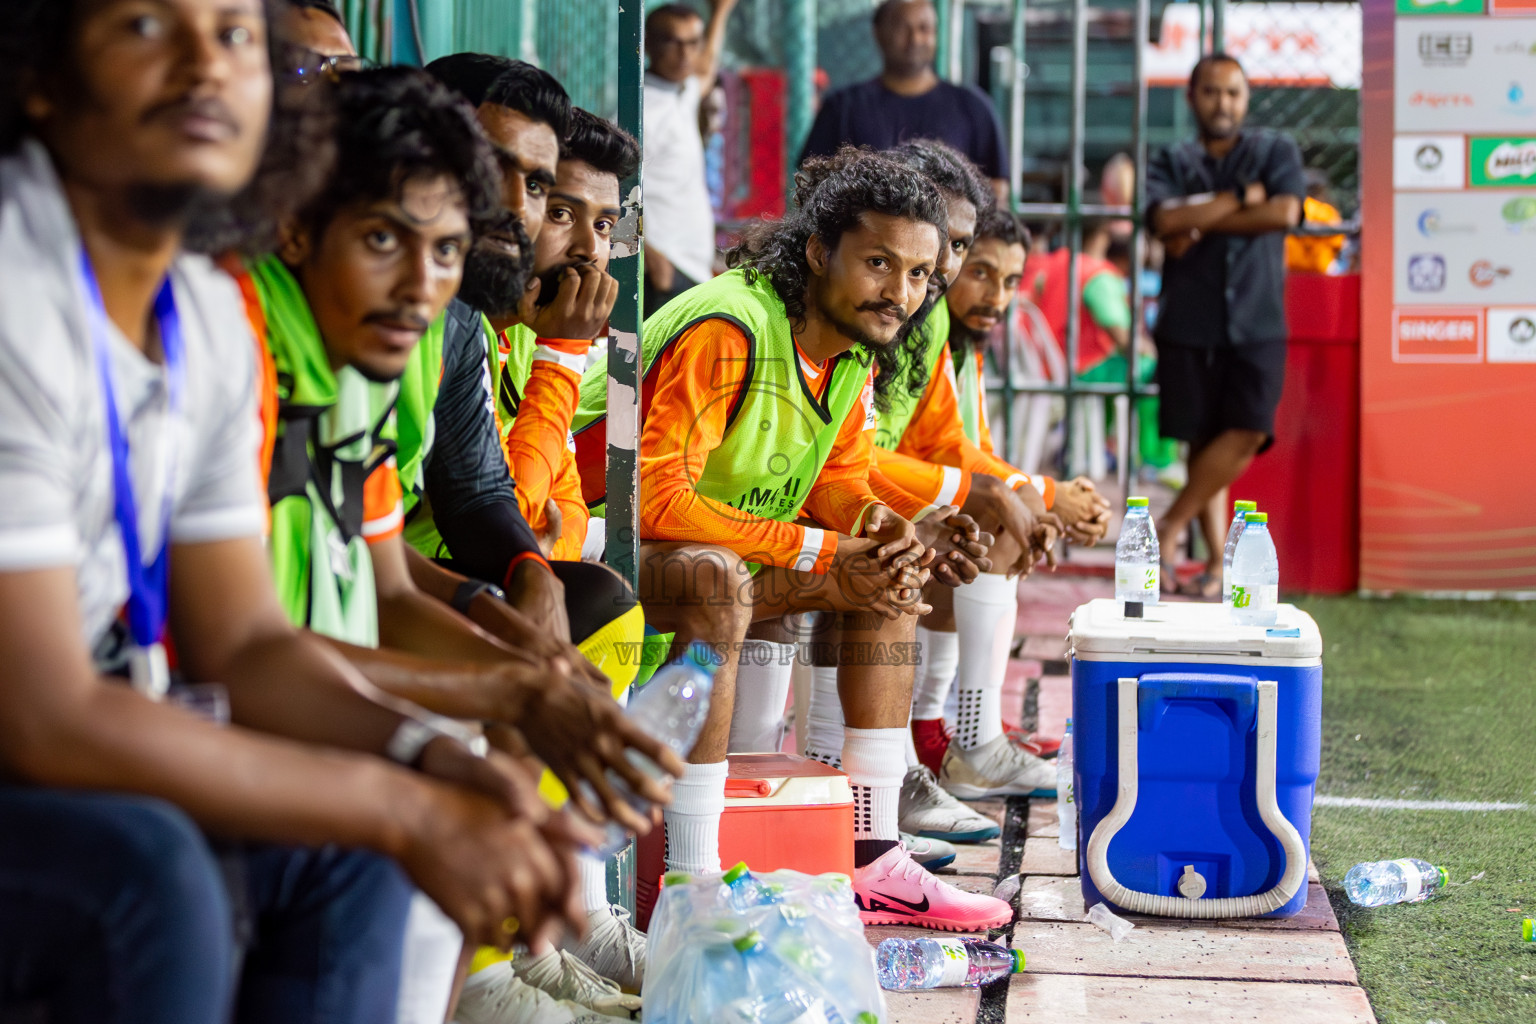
[{"x": 148, "y": 586}]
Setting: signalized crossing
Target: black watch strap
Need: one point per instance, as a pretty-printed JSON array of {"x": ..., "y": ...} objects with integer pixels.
[
  {"x": 467, "y": 591},
  {"x": 1241, "y": 192}
]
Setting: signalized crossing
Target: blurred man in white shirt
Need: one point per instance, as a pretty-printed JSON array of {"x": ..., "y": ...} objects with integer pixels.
[{"x": 684, "y": 52}]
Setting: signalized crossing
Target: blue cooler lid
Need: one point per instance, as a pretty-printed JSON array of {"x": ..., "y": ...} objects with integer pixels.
[{"x": 1200, "y": 631}]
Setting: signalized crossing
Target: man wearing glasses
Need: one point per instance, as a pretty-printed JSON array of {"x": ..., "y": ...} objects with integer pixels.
[
  {"x": 680, "y": 226},
  {"x": 319, "y": 43}
]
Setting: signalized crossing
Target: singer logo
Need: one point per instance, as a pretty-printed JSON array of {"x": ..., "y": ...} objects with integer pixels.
[{"x": 1422, "y": 335}]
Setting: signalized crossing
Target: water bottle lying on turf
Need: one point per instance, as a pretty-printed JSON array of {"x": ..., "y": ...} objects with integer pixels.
[
  {"x": 1240, "y": 510},
  {"x": 904, "y": 964},
  {"x": 1378, "y": 883},
  {"x": 1066, "y": 801},
  {"x": 1255, "y": 586},
  {"x": 672, "y": 707},
  {"x": 1528, "y": 930},
  {"x": 1137, "y": 561}
]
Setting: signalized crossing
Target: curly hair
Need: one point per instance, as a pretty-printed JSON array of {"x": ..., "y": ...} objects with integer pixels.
[
  {"x": 947, "y": 168},
  {"x": 398, "y": 123},
  {"x": 846, "y": 186},
  {"x": 601, "y": 144},
  {"x": 37, "y": 50}
]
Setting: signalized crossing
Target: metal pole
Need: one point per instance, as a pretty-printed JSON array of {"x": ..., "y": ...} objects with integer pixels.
[
  {"x": 1015, "y": 190},
  {"x": 952, "y": 63},
  {"x": 1074, "y": 212},
  {"x": 1218, "y": 25},
  {"x": 1140, "y": 33},
  {"x": 800, "y": 72},
  {"x": 623, "y": 542}
]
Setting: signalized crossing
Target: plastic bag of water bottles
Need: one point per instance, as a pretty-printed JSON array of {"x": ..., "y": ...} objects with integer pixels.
[{"x": 744, "y": 948}]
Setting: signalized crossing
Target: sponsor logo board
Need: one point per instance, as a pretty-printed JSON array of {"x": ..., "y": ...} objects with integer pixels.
[
  {"x": 1512, "y": 335},
  {"x": 1501, "y": 162},
  {"x": 1428, "y": 161},
  {"x": 1476, "y": 76},
  {"x": 1424, "y": 334}
]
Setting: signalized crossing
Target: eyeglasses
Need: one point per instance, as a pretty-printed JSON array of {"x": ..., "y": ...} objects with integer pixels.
[{"x": 306, "y": 66}]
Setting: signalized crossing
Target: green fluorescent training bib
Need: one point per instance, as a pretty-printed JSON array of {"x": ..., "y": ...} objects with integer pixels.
[
  {"x": 777, "y": 436},
  {"x": 417, "y": 428},
  {"x": 891, "y": 425},
  {"x": 968, "y": 393},
  {"x": 333, "y": 430}
]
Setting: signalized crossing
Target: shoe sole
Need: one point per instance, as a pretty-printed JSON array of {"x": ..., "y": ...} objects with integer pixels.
[
  {"x": 965, "y": 791},
  {"x": 937, "y": 923},
  {"x": 979, "y": 835},
  {"x": 937, "y": 862}
]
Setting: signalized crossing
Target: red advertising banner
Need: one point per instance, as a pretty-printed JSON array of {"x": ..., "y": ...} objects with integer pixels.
[{"x": 1448, "y": 299}]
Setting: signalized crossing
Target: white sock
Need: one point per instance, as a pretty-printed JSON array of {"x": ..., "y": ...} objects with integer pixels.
[
  {"x": 428, "y": 964},
  {"x": 985, "y": 613},
  {"x": 912, "y": 761},
  {"x": 938, "y": 657},
  {"x": 594, "y": 882},
  {"x": 762, "y": 689},
  {"x": 693, "y": 819},
  {"x": 875, "y": 766},
  {"x": 824, "y": 719}
]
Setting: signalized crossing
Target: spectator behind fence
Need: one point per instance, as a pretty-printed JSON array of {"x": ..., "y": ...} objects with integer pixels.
[
  {"x": 910, "y": 101},
  {"x": 680, "y": 225},
  {"x": 1315, "y": 254},
  {"x": 1221, "y": 206},
  {"x": 121, "y": 123}
]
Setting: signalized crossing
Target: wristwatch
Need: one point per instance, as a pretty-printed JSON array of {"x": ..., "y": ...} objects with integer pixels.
[
  {"x": 1240, "y": 190},
  {"x": 413, "y": 734},
  {"x": 467, "y": 591}
]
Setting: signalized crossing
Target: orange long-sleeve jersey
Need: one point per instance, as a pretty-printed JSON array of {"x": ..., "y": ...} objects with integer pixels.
[
  {"x": 936, "y": 436},
  {"x": 686, "y": 421},
  {"x": 537, "y": 442}
]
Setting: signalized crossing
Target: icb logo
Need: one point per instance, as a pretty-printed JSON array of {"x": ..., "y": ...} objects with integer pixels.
[{"x": 1426, "y": 273}]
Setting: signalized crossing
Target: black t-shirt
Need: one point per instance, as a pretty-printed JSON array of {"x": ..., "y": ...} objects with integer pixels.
[
  {"x": 468, "y": 485},
  {"x": 1227, "y": 289},
  {"x": 869, "y": 114}
]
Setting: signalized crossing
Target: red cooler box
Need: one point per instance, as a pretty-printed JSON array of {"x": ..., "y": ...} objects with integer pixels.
[{"x": 781, "y": 811}]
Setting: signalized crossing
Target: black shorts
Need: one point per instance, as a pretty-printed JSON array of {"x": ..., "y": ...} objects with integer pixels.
[{"x": 1203, "y": 392}]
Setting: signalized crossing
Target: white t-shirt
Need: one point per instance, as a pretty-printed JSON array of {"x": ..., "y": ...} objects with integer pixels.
[
  {"x": 678, "y": 218},
  {"x": 55, "y": 464}
]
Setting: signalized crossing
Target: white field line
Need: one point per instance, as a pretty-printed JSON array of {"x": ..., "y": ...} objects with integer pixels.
[{"x": 1415, "y": 805}]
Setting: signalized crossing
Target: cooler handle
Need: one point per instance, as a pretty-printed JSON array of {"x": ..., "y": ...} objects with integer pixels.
[
  {"x": 1239, "y": 693},
  {"x": 1291, "y": 843}
]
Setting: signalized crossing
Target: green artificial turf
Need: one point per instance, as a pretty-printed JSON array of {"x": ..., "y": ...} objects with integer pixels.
[{"x": 1433, "y": 700}]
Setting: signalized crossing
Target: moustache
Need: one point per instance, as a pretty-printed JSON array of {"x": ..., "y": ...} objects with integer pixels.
[
  {"x": 983, "y": 311},
  {"x": 885, "y": 307},
  {"x": 210, "y": 107},
  {"x": 399, "y": 319}
]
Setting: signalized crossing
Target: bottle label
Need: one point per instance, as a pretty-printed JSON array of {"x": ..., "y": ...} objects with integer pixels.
[
  {"x": 1413, "y": 881},
  {"x": 957, "y": 963},
  {"x": 1261, "y": 597},
  {"x": 1142, "y": 578}
]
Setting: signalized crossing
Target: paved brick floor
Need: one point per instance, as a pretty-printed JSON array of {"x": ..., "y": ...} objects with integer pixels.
[{"x": 1294, "y": 971}]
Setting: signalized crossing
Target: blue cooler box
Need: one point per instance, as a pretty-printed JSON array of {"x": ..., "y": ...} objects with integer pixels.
[{"x": 1195, "y": 756}]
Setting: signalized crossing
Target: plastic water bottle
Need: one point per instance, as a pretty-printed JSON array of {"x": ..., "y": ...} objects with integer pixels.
[
  {"x": 1240, "y": 509},
  {"x": 904, "y": 964},
  {"x": 1066, "y": 799},
  {"x": 1136, "y": 556},
  {"x": 746, "y": 890},
  {"x": 671, "y": 707},
  {"x": 1528, "y": 930},
  {"x": 1378, "y": 883},
  {"x": 775, "y": 992},
  {"x": 1255, "y": 588}
]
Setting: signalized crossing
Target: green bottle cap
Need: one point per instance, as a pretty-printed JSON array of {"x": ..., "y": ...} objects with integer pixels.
[
  {"x": 1018, "y": 960},
  {"x": 1244, "y": 506},
  {"x": 748, "y": 941},
  {"x": 1257, "y": 517},
  {"x": 676, "y": 878},
  {"x": 866, "y": 1018},
  {"x": 1445, "y": 877},
  {"x": 1528, "y": 930},
  {"x": 1136, "y": 502},
  {"x": 735, "y": 872}
]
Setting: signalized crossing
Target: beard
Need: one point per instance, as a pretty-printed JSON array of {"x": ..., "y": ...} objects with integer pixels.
[
  {"x": 549, "y": 281},
  {"x": 963, "y": 338},
  {"x": 494, "y": 280}
]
